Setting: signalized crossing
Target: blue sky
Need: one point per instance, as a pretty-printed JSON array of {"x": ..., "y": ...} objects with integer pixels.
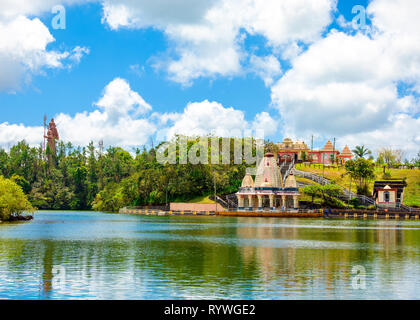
[{"x": 141, "y": 47}]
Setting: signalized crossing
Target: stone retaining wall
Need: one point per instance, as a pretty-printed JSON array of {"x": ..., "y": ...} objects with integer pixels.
[{"x": 195, "y": 207}]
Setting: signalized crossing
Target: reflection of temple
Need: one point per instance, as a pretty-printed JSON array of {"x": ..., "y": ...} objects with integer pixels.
[
  {"x": 299, "y": 151},
  {"x": 268, "y": 189}
]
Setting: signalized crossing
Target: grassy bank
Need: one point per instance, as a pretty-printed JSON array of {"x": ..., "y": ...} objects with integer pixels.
[{"x": 411, "y": 194}]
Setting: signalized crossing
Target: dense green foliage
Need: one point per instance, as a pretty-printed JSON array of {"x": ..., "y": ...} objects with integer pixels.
[
  {"x": 13, "y": 200},
  {"x": 89, "y": 178},
  {"x": 327, "y": 193},
  {"x": 362, "y": 171}
]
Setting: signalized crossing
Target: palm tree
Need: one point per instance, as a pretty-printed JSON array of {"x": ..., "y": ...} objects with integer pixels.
[{"x": 361, "y": 151}]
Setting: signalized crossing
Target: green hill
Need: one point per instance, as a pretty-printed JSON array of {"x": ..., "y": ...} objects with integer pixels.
[{"x": 412, "y": 177}]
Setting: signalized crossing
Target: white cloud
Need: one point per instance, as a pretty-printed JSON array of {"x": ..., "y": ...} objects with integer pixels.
[
  {"x": 206, "y": 117},
  {"x": 121, "y": 119},
  {"x": 267, "y": 68},
  {"x": 206, "y": 36},
  {"x": 116, "y": 122},
  {"x": 24, "y": 41},
  {"x": 10, "y": 9},
  {"x": 10, "y": 134},
  {"x": 78, "y": 52},
  {"x": 119, "y": 100},
  {"x": 402, "y": 132},
  {"x": 347, "y": 85},
  {"x": 200, "y": 118},
  {"x": 265, "y": 123},
  {"x": 286, "y": 21},
  {"x": 23, "y": 51}
]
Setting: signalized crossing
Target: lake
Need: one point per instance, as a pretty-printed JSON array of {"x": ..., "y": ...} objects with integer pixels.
[{"x": 91, "y": 255}]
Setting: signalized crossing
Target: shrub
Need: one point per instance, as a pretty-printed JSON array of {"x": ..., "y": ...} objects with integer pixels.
[{"x": 13, "y": 201}]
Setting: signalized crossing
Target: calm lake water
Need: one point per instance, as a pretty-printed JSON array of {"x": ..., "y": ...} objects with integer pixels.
[{"x": 89, "y": 255}]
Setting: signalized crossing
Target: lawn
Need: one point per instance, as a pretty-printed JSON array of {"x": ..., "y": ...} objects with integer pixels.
[
  {"x": 411, "y": 193},
  {"x": 201, "y": 199}
]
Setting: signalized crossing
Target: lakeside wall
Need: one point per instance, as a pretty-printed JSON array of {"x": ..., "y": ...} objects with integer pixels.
[
  {"x": 174, "y": 206},
  {"x": 336, "y": 214}
]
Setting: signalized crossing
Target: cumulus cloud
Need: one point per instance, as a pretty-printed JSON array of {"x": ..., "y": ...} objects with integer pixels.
[
  {"x": 116, "y": 121},
  {"x": 206, "y": 36},
  {"x": 10, "y": 9},
  {"x": 348, "y": 85},
  {"x": 402, "y": 132},
  {"x": 12, "y": 133},
  {"x": 209, "y": 117},
  {"x": 268, "y": 68},
  {"x": 23, "y": 45},
  {"x": 123, "y": 118},
  {"x": 119, "y": 100}
]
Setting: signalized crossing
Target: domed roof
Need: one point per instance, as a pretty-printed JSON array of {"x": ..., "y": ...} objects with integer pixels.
[
  {"x": 247, "y": 181},
  {"x": 290, "y": 181},
  {"x": 268, "y": 173}
]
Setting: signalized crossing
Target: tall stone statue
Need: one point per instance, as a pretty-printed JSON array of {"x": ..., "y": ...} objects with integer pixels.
[{"x": 52, "y": 135}]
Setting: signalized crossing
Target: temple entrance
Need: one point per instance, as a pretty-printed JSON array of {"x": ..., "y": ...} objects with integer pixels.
[{"x": 286, "y": 157}]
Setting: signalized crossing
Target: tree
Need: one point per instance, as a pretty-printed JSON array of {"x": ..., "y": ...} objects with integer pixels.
[
  {"x": 362, "y": 171},
  {"x": 327, "y": 192},
  {"x": 390, "y": 156},
  {"x": 361, "y": 151},
  {"x": 416, "y": 161},
  {"x": 313, "y": 190},
  {"x": 331, "y": 190},
  {"x": 82, "y": 178},
  {"x": 13, "y": 202}
]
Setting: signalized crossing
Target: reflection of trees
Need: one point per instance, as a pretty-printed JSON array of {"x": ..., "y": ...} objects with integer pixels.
[
  {"x": 48, "y": 263},
  {"x": 298, "y": 267},
  {"x": 231, "y": 257}
]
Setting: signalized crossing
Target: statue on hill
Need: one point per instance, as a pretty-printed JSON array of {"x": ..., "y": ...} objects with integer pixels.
[{"x": 52, "y": 134}]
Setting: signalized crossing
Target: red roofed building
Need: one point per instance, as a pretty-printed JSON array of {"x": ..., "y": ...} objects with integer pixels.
[
  {"x": 345, "y": 155},
  {"x": 326, "y": 155},
  {"x": 298, "y": 151}
]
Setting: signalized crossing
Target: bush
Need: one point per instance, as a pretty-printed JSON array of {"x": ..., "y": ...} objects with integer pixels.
[
  {"x": 386, "y": 175},
  {"x": 355, "y": 202},
  {"x": 13, "y": 201}
]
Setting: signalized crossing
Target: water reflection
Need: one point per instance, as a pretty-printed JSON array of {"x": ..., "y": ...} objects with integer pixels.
[{"x": 106, "y": 256}]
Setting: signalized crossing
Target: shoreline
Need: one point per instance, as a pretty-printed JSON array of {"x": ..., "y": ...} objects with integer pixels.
[{"x": 18, "y": 219}]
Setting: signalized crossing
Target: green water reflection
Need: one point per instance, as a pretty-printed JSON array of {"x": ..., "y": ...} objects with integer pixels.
[{"x": 66, "y": 255}]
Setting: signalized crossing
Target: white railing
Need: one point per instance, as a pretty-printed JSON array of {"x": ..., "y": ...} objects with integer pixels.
[{"x": 347, "y": 195}]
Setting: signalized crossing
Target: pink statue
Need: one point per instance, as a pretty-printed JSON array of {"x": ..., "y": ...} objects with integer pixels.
[{"x": 52, "y": 135}]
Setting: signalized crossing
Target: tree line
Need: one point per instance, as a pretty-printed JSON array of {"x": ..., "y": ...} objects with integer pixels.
[{"x": 84, "y": 178}]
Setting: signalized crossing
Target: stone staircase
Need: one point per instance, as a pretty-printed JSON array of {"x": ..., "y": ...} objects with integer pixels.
[
  {"x": 286, "y": 168},
  {"x": 346, "y": 196}
]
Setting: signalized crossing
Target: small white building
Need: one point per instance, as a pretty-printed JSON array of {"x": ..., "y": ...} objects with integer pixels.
[
  {"x": 268, "y": 191},
  {"x": 389, "y": 193}
]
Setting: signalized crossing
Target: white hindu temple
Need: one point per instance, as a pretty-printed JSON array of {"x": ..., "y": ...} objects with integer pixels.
[{"x": 268, "y": 190}]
